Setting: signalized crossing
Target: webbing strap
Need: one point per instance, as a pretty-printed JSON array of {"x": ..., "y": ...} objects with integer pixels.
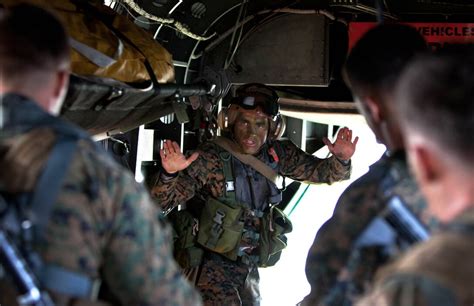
[
  {"x": 98, "y": 58},
  {"x": 50, "y": 181},
  {"x": 55, "y": 278},
  {"x": 69, "y": 283},
  {"x": 247, "y": 159},
  {"x": 226, "y": 158}
]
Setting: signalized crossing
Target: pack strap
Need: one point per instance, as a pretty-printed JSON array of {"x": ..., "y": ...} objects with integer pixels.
[
  {"x": 52, "y": 277},
  {"x": 226, "y": 157},
  {"x": 55, "y": 278},
  {"x": 247, "y": 159},
  {"x": 51, "y": 180},
  {"x": 63, "y": 281}
]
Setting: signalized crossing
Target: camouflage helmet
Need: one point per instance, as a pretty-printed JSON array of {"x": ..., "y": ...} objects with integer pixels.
[{"x": 249, "y": 97}]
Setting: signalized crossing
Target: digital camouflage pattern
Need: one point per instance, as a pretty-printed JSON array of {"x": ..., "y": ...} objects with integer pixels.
[
  {"x": 438, "y": 272},
  {"x": 222, "y": 281},
  {"x": 225, "y": 282},
  {"x": 104, "y": 221},
  {"x": 331, "y": 257}
]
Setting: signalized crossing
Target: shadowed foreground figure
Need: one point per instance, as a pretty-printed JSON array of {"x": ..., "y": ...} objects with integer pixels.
[
  {"x": 436, "y": 108},
  {"x": 342, "y": 261},
  {"x": 102, "y": 226}
]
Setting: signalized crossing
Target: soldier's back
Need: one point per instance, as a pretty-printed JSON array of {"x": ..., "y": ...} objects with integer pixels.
[
  {"x": 102, "y": 226},
  {"x": 333, "y": 259}
]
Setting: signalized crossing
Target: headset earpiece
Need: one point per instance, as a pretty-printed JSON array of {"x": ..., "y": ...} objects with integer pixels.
[
  {"x": 250, "y": 96},
  {"x": 226, "y": 117},
  {"x": 223, "y": 119},
  {"x": 119, "y": 147},
  {"x": 277, "y": 127}
]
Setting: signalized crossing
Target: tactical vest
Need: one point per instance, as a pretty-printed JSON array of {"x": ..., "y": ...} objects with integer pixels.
[{"x": 244, "y": 224}]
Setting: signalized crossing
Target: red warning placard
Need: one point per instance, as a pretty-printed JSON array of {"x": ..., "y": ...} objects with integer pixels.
[{"x": 435, "y": 33}]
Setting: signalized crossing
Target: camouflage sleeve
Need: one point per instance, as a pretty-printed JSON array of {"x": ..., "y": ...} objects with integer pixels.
[
  {"x": 105, "y": 221},
  {"x": 140, "y": 252},
  {"x": 302, "y": 166},
  {"x": 331, "y": 249},
  {"x": 204, "y": 175}
]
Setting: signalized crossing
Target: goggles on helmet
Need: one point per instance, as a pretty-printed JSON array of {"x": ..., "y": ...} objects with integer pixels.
[{"x": 251, "y": 96}]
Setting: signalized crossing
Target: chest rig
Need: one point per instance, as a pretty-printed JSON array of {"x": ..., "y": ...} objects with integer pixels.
[{"x": 244, "y": 224}]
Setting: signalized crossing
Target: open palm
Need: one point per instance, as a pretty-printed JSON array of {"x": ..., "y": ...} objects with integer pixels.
[
  {"x": 172, "y": 159},
  {"x": 343, "y": 148}
]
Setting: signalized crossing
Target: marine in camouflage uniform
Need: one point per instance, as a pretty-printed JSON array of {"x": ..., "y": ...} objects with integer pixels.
[
  {"x": 332, "y": 257},
  {"x": 337, "y": 271},
  {"x": 223, "y": 281},
  {"x": 435, "y": 92},
  {"x": 206, "y": 174},
  {"x": 103, "y": 226}
]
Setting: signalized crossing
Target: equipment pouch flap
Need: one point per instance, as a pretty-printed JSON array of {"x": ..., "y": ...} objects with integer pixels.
[{"x": 220, "y": 226}]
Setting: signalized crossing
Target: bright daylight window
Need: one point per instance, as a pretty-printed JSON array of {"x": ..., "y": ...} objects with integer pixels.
[{"x": 285, "y": 283}]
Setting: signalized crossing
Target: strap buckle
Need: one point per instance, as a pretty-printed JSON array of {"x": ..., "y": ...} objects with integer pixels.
[{"x": 219, "y": 216}]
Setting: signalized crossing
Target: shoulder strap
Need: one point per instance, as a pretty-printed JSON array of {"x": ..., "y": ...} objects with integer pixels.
[
  {"x": 50, "y": 180},
  {"x": 226, "y": 158},
  {"x": 247, "y": 159},
  {"x": 56, "y": 278}
]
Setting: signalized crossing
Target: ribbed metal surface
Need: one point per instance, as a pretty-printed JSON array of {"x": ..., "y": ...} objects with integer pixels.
[{"x": 198, "y": 10}]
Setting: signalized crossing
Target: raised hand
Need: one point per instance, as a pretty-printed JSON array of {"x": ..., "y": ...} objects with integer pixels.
[
  {"x": 343, "y": 148},
  {"x": 172, "y": 159}
]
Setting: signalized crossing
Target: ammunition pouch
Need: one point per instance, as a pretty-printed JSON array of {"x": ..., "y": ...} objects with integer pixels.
[
  {"x": 275, "y": 224},
  {"x": 221, "y": 228},
  {"x": 185, "y": 228}
]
